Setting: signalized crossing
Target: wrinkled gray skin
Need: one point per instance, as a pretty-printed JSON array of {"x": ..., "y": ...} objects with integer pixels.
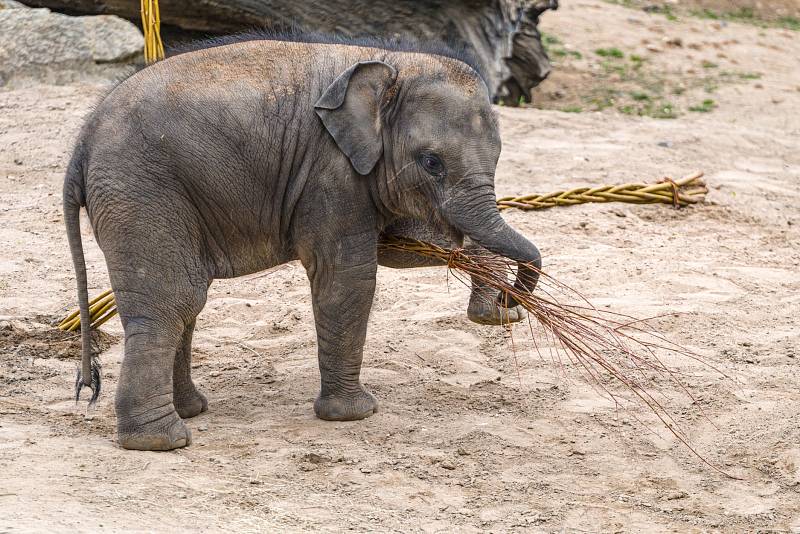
[{"x": 230, "y": 160}]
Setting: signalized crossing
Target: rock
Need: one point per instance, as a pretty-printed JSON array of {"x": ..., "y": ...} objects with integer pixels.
[
  {"x": 675, "y": 495},
  {"x": 674, "y": 41},
  {"x": 315, "y": 458},
  {"x": 37, "y": 45}
]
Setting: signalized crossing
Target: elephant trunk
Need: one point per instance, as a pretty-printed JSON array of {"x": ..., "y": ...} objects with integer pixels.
[{"x": 479, "y": 218}]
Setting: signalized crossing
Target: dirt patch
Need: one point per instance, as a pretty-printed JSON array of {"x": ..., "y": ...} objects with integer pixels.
[
  {"x": 29, "y": 346},
  {"x": 662, "y": 66},
  {"x": 774, "y": 13},
  {"x": 39, "y": 337}
]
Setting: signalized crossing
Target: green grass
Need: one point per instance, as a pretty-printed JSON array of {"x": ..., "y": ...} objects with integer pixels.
[
  {"x": 789, "y": 23},
  {"x": 663, "y": 110},
  {"x": 662, "y": 9},
  {"x": 621, "y": 69},
  {"x": 709, "y": 64},
  {"x": 610, "y": 52},
  {"x": 744, "y": 15},
  {"x": 705, "y": 14},
  {"x": 553, "y": 47},
  {"x": 549, "y": 39},
  {"x": 667, "y": 11},
  {"x": 747, "y": 16},
  {"x": 640, "y": 96},
  {"x": 705, "y": 107},
  {"x": 657, "y": 110},
  {"x": 563, "y": 52},
  {"x": 572, "y": 109},
  {"x": 606, "y": 97},
  {"x": 749, "y": 75}
]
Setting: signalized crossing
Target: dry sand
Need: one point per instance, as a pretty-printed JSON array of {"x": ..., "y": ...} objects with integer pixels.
[{"x": 470, "y": 436}]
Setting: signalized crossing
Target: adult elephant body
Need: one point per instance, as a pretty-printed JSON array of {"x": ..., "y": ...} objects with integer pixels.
[{"x": 234, "y": 158}]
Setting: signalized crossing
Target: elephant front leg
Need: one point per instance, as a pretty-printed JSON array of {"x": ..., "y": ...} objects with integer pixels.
[
  {"x": 485, "y": 304},
  {"x": 342, "y": 298}
]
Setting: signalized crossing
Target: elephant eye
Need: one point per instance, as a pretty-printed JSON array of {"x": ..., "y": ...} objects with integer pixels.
[{"x": 432, "y": 164}]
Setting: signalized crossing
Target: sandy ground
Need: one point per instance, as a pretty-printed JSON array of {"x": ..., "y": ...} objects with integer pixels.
[{"x": 471, "y": 436}]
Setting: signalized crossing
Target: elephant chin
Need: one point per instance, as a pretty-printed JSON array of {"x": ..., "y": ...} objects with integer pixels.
[{"x": 484, "y": 225}]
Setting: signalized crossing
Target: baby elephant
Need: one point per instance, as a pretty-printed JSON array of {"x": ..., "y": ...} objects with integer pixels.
[{"x": 233, "y": 158}]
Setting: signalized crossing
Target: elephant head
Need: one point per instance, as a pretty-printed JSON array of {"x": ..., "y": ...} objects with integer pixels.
[{"x": 429, "y": 140}]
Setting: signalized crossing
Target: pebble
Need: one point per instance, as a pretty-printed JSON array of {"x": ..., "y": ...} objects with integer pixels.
[{"x": 675, "y": 495}]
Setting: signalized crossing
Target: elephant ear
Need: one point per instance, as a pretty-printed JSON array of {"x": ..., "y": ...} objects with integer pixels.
[{"x": 350, "y": 109}]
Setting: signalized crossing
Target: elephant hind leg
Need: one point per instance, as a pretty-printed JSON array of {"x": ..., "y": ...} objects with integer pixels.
[
  {"x": 146, "y": 416},
  {"x": 188, "y": 401},
  {"x": 157, "y": 314}
]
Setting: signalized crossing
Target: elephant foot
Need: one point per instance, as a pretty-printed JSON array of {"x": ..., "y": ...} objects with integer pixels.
[
  {"x": 163, "y": 434},
  {"x": 485, "y": 310},
  {"x": 351, "y": 407},
  {"x": 190, "y": 403}
]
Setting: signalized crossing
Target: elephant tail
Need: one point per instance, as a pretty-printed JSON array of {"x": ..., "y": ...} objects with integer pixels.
[{"x": 74, "y": 199}]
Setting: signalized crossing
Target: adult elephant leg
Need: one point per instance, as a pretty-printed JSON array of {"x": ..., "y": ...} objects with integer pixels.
[
  {"x": 342, "y": 287},
  {"x": 188, "y": 401},
  {"x": 484, "y": 305}
]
